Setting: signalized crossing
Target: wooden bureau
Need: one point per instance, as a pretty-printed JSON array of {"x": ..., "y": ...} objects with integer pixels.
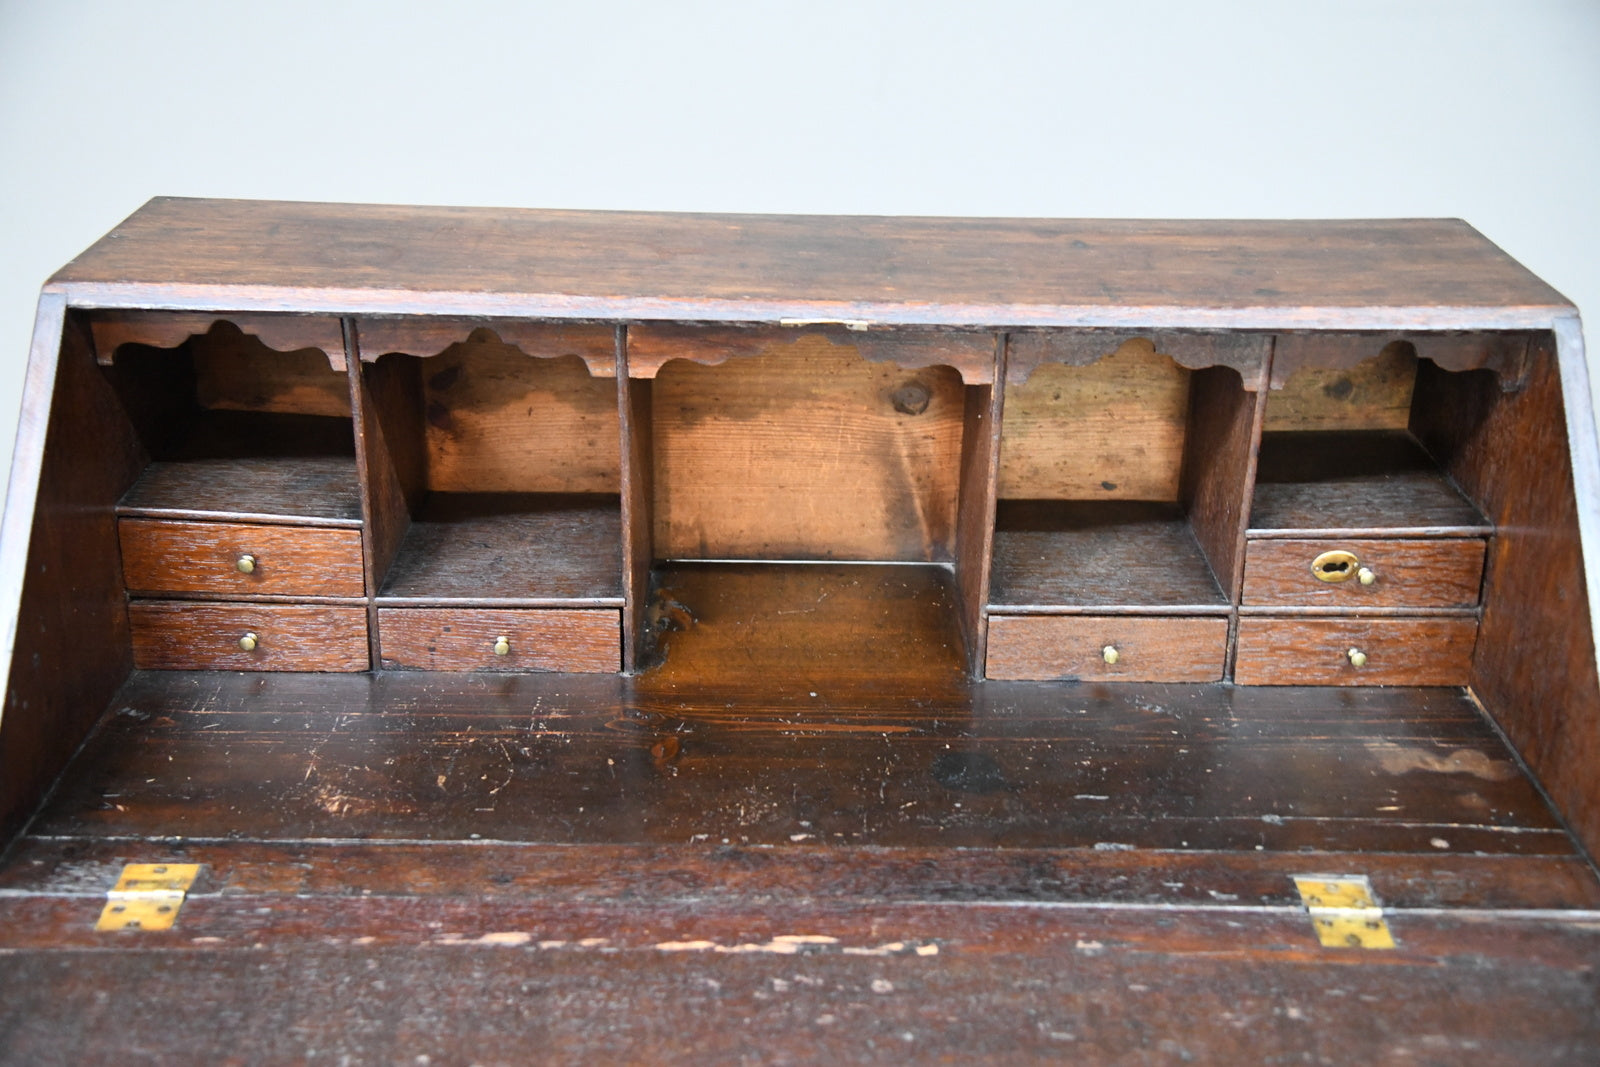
[{"x": 630, "y": 532}]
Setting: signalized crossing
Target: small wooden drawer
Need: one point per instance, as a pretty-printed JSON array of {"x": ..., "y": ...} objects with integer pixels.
[
  {"x": 239, "y": 559},
  {"x": 1106, "y": 648},
  {"x": 580, "y": 640},
  {"x": 1444, "y": 573},
  {"x": 1325, "y": 651},
  {"x": 192, "y": 635}
]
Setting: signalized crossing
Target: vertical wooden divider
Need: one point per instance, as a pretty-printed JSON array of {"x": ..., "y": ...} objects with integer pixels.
[
  {"x": 391, "y": 460},
  {"x": 1219, "y": 471},
  {"x": 975, "y": 506},
  {"x": 638, "y": 493}
]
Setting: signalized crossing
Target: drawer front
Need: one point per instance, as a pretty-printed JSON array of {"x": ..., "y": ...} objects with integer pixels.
[
  {"x": 191, "y": 635},
  {"x": 204, "y": 557},
  {"x": 1445, "y": 573},
  {"x": 580, "y": 640},
  {"x": 1046, "y": 647},
  {"x": 1389, "y": 651}
]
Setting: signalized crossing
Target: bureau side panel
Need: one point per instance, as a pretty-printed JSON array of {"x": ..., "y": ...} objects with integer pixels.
[
  {"x": 1534, "y": 667},
  {"x": 76, "y": 454}
]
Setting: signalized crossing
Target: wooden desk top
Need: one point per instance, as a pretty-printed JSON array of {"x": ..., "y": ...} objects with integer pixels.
[{"x": 1349, "y": 274}]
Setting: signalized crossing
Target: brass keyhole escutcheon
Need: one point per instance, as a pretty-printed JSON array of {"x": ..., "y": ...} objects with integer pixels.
[
  {"x": 502, "y": 646},
  {"x": 246, "y": 564},
  {"x": 1336, "y": 566},
  {"x": 248, "y": 642}
]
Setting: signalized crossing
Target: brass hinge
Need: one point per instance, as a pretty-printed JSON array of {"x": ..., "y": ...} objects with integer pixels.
[
  {"x": 1343, "y": 910},
  {"x": 147, "y": 896}
]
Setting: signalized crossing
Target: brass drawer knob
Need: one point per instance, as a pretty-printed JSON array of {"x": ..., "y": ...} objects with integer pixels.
[
  {"x": 1337, "y": 566},
  {"x": 502, "y": 646},
  {"x": 1357, "y": 657},
  {"x": 1110, "y": 655},
  {"x": 248, "y": 642},
  {"x": 1366, "y": 576},
  {"x": 246, "y": 564}
]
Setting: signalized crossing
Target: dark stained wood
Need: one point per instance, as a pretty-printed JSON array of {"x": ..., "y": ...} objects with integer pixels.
[
  {"x": 1531, "y": 666},
  {"x": 1446, "y": 573},
  {"x": 430, "y": 335},
  {"x": 634, "y": 404},
  {"x": 1219, "y": 467},
  {"x": 1424, "y": 274},
  {"x": 195, "y": 635},
  {"x": 168, "y": 329},
  {"x": 311, "y": 490},
  {"x": 499, "y": 547},
  {"x": 202, "y": 557},
  {"x": 65, "y": 631},
  {"x": 590, "y": 759},
  {"x": 1504, "y": 353},
  {"x": 1315, "y": 651},
  {"x": 537, "y": 639},
  {"x": 975, "y": 512},
  {"x": 1045, "y": 647},
  {"x": 391, "y": 439},
  {"x": 1244, "y": 352},
  {"x": 971, "y": 354},
  {"x": 1086, "y": 554},
  {"x": 1357, "y": 484},
  {"x": 807, "y": 452}
]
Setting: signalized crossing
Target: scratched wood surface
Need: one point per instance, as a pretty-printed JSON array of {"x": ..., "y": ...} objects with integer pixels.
[
  {"x": 806, "y": 451},
  {"x": 956, "y": 272}
]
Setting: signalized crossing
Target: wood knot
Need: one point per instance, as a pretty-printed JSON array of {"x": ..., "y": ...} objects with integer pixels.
[{"x": 912, "y": 398}]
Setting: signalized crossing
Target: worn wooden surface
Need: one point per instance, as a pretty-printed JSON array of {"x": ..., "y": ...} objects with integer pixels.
[
  {"x": 1082, "y": 554},
  {"x": 1244, "y": 352},
  {"x": 1219, "y": 469},
  {"x": 1112, "y": 430},
  {"x": 1355, "y": 483},
  {"x": 1315, "y": 651},
  {"x": 975, "y": 514},
  {"x": 1319, "y": 389},
  {"x": 1359, "y": 274},
  {"x": 203, "y": 557},
  {"x": 584, "y": 640},
  {"x": 1505, "y": 354},
  {"x": 970, "y": 353},
  {"x": 488, "y": 547},
  {"x": 1531, "y": 661},
  {"x": 500, "y": 421},
  {"x": 283, "y": 334},
  {"x": 806, "y": 452},
  {"x": 1073, "y": 647},
  {"x": 1447, "y": 573},
  {"x": 431, "y": 335},
  {"x": 204, "y": 636},
  {"x": 637, "y": 502}
]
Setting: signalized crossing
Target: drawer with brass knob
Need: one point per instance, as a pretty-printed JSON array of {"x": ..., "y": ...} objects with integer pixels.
[
  {"x": 240, "y": 559},
  {"x": 191, "y": 635},
  {"x": 1106, "y": 647},
  {"x": 1358, "y": 573},
  {"x": 501, "y": 639},
  {"x": 1342, "y": 651}
]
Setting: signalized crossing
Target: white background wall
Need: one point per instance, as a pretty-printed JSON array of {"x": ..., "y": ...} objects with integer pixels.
[{"x": 1489, "y": 111}]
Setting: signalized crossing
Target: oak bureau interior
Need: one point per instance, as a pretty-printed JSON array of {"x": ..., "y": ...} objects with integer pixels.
[{"x": 683, "y": 476}]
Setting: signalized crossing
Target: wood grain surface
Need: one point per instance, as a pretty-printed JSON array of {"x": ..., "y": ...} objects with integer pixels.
[
  {"x": 1360, "y": 483},
  {"x": 283, "y": 334},
  {"x": 1246, "y": 353},
  {"x": 464, "y": 639},
  {"x": 483, "y": 547},
  {"x": 1316, "y": 388},
  {"x": 430, "y": 335},
  {"x": 1072, "y": 647},
  {"x": 1504, "y": 353},
  {"x": 202, "y": 557},
  {"x": 1112, "y": 430},
  {"x": 1447, "y": 573},
  {"x": 1050, "y": 553},
  {"x": 1357, "y": 274},
  {"x": 1315, "y": 651},
  {"x": 1219, "y": 469},
  {"x": 970, "y": 353},
  {"x": 500, "y": 421},
  {"x": 807, "y": 452},
  {"x": 170, "y": 635}
]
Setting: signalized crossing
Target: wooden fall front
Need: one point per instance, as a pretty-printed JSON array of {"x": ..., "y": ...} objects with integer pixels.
[{"x": 1003, "y": 611}]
